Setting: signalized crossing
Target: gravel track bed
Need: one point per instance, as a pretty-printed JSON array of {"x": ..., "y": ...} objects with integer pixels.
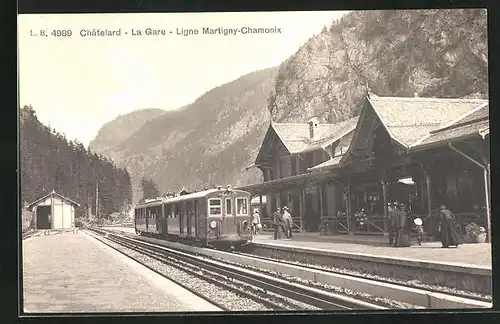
[
  {"x": 410, "y": 283},
  {"x": 382, "y": 301},
  {"x": 385, "y": 302},
  {"x": 281, "y": 301},
  {"x": 212, "y": 292}
]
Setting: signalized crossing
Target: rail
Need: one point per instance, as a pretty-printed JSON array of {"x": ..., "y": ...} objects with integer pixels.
[
  {"x": 364, "y": 276},
  {"x": 294, "y": 291}
]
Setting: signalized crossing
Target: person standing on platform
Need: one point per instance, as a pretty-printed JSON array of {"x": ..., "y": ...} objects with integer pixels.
[
  {"x": 401, "y": 235},
  {"x": 419, "y": 229},
  {"x": 277, "y": 220},
  {"x": 287, "y": 219},
  {"x": 449, "y": 233},
  {"x": 393, "y": 216},
  {"x": 255, "y": 221}
]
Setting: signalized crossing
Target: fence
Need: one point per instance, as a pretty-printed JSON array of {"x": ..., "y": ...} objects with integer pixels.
[{"x": 339, "y": 225}]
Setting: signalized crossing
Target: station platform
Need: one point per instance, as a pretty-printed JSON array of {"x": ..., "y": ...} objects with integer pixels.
[
  {"x": 73, "y": 272},
  {"x": 478, "y": 254}
]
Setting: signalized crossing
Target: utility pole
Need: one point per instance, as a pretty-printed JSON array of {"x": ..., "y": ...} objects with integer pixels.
[{"x": 97, "y": 199}]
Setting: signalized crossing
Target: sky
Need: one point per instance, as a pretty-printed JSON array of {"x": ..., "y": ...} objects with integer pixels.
[{"x": 77, "y": 83}]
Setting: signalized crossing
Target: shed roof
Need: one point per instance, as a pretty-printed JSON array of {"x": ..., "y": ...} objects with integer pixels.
[{"x": 53, "y": 193}]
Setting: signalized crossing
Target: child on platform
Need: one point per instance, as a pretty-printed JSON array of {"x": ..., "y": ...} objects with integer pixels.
[{"x": 419, "y": 229}]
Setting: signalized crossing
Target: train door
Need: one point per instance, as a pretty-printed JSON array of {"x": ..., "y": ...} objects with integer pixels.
[
  {"x": 196, "y": 218},
  {"x": 182, "y": 211},
  {"x": 202, "y": 218},
  {"x": 157, "y": 218},
  {"x": 189, "y": 211},
  {"x": 163, "y": 222},
  {"x": 146, "y": 216},
  {"x": 228, "y": 211}
]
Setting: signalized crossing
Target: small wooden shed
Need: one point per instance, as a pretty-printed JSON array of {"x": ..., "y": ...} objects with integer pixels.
[{"x": 53, "y": 211}]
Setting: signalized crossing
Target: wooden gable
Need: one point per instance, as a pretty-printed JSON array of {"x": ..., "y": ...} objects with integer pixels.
[
  {"x": 371, "y": 140},
  {"x": 271, "y": 150}
]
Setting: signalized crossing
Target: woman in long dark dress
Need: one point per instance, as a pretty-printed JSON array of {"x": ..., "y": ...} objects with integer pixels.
[
  {"x": 449, "y": 233},
  {"x": 401, "y": 223}
]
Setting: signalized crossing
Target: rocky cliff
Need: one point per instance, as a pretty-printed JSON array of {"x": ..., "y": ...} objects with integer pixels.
[{"x": 434, "y": 53}]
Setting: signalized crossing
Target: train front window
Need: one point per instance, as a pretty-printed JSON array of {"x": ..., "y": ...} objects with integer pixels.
[
  {"x": 229, "y": 206},
  {"x": 215, "y": 206},
  {"x": 241, "y": 206}
]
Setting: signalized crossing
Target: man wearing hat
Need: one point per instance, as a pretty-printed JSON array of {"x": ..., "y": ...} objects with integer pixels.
[
  {"x": 277, "y": 220},
  {"x": 393, "y": 217},
  {"x": 287, "y": 219},
  {"x": 255, "y": 221}
]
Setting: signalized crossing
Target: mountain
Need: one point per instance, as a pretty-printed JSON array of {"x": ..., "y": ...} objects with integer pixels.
[
  {"x": 221, "y": 131},
  {"x": 440, "y": 53},
  {"x": 121, "y": 128},
  {"x": 434, "y": 53}
]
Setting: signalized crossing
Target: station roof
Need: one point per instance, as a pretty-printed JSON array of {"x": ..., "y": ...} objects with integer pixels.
[
  {"x": 296, "y": 137},
  {"x": 408, "y": 120},
  {"x": 53, "y": 193},
  {"x": 474, "y": 123}
]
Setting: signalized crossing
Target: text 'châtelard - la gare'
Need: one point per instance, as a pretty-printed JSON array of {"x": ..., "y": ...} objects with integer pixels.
[{"x": 179, "y": 31}]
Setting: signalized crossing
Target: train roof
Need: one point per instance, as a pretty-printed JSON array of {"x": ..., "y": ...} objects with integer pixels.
[
  {"x": 194, "y": 195},
  {"x": 152, "y": 203},
  {"x": 199, "y": 194}
]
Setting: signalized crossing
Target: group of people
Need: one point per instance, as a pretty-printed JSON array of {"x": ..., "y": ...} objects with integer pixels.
[
  {"x": 283, "y": 223},
  {"x": 400, "y": 227}
]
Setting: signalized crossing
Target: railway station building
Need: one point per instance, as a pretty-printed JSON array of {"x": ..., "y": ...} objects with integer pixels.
[
  {"x": 53, "y": 211},
  {"x": 424, "y": 152}
]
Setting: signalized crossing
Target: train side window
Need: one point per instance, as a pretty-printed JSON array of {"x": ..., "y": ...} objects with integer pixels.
[
  {"x": 241, "y": 206},
  {"x": 229, "y": 210},
  {"x": 215, "y": 206}
]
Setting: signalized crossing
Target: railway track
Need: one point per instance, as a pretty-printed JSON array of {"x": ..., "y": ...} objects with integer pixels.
[
  {"x": 274, "y": 293},
  {"x": 420, "y": 295},
  {"x": 381, "y": 280}
]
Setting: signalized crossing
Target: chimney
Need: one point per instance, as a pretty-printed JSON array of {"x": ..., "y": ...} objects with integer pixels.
[{"x": 313, "y": 125}]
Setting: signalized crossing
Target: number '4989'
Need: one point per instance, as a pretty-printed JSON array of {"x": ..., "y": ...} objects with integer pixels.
[{"x": 62, "y": 33}]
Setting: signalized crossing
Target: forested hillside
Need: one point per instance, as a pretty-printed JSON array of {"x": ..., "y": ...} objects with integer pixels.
[
  {"x": 49, "y": 161},
  {"x": 434, "y": 53}
]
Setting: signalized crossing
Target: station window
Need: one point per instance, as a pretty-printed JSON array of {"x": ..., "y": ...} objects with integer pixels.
[
  {"x": 241, "y": 206},
  {"x": 229, "y": 210},
  {"x": 215, "y": 206}
]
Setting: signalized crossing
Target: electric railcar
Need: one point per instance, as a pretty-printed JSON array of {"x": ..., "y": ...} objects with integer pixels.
[{"x": 217, "y": 217}]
